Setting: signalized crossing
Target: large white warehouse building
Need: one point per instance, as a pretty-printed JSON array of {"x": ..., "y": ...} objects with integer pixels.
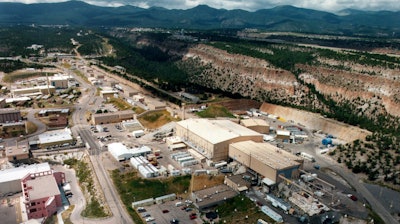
[{"x": 211, "y": 138}]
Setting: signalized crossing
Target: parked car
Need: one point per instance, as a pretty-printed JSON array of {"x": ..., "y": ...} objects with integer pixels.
[
  {"x": 352, "y": 197},
  {"x": 165, "y": 211},
  {"x": 149, "y": 219},
  {"x": 193, "y": 216},
  {"x": 145, "y": 215},
  {"x": 141, "y": 209},
  {"x": 188, "y": 209}
]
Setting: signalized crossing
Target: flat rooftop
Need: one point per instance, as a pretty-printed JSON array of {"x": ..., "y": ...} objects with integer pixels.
[
  {"x": 17, "y": 150},
  {"x": 268, "y": 154},
  {"x": 42, "y": 187},
  {"x": 254, "y": 122},
  {"x": 122, "y": 112},
  {"x": 8, "y": 110},
  {"x": 214, "y": 195},
  {"x": 222, "y": 130},
  {"x": 55, "y": 136},
  {"x": 20, "y": 172}
]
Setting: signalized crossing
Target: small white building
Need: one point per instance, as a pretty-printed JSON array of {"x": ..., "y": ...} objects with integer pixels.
[{"x": 120, "y": 152}]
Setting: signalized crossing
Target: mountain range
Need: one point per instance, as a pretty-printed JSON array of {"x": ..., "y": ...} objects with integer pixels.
[{"x": 281, "y": 18}]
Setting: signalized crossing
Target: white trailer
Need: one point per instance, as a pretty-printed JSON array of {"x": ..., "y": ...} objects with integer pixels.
[
  {"x": 138, "y": 133},
  {"x": 307, "y": 156}
]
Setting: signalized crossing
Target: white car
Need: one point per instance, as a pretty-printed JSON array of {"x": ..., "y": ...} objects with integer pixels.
[{"x": 149, "y": 219}]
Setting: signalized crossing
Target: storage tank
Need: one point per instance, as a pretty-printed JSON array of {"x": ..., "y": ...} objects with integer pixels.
[{"x": 327, "y": 141}]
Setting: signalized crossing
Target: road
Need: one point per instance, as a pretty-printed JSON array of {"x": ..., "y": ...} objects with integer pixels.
[
  {"x": 81, "y": 127},
  {"x": 354, "y": 181}
]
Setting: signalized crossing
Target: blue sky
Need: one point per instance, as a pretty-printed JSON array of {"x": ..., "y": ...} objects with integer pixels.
[{"x": 250, "y": 5}]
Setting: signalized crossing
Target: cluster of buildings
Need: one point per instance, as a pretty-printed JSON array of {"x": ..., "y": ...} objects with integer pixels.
[{"x": 238, "y": 148}]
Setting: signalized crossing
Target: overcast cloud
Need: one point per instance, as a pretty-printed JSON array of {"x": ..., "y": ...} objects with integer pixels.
[{"x": 250, "y": 5}]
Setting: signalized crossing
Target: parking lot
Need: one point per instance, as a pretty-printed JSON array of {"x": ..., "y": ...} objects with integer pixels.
[{"x": 168, "y": 212}]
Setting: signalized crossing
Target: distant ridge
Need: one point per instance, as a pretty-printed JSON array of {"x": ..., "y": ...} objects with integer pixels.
[{"x": 281, "y": 18}]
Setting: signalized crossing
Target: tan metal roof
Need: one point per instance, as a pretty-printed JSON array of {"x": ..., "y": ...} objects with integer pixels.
[
  {"x": 254, "y": 122},
  {"x": 268, "y": 154},
  {"x": 216, "y": 131}
]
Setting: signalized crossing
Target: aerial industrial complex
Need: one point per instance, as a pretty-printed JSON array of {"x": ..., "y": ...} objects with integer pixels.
[{"x": 272, "y": 162}]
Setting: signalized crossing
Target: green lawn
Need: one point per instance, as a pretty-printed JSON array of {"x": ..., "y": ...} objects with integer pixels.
[
  {"x": 214, "y": 111},
  {"x": 133, "y": 188},
  {"x": 240, "y": 209}
]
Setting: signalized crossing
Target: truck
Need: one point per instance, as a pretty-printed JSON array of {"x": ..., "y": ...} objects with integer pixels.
[
  {"x": 138, "y": 133},
  {"x": 307, "y": 156}
]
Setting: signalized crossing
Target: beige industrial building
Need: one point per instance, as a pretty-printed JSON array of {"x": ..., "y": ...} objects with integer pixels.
[
  {"x": 267, "y": 160},
  {"x": 17, "y": 153},
  {"x": 283, "y": 135},
  {"x": 211, "y": 138},
  {"x": 59, "y": 81},
  {"x": 112, "y": 117},
  {"x": 255, "y": 124},
  {"x": 156, "y": 105},
  {"x": 107, "y": 94},
  {"x": 33, "y": 90},
  {"x": 237, "y": 182}
]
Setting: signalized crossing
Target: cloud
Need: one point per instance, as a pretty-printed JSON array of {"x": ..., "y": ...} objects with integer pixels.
[{"x": 250, "y": 5}]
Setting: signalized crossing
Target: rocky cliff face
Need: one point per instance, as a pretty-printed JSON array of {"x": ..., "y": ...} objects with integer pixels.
[
  {"x": 369, "y": 90},
  {"x": 368, "y": 93},
  {"x": 250, "y": 77}
]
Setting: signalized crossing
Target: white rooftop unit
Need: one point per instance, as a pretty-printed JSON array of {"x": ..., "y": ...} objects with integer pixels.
[
  {"x": 183, "y": 159},
  {"x": 136, "y": 162},
  {"x": 155, "y": 171},
  {"x": 177, "y": 146},
  {"x": 145, "y": 172},
  {"x": 189, "y": 163},
  {"x": 175, "y": 173},
  {"x": 220, "y": 164},
  {"x": 174, "y": 156},
  {"x": 283, "y": 132}
]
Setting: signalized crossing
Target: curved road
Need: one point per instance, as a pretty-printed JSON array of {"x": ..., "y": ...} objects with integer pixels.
[{"x": 356, "y": 183}]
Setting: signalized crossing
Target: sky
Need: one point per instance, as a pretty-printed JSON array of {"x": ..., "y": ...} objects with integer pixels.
[{"x": 249, "y": 5}]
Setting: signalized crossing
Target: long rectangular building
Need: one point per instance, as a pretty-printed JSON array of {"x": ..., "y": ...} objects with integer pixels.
[
  {"x": 266, "y": 159},
  {"x": 211, "y": 138},
  {"x": 112, "y": 117},
  {"x": 9, "y": 115}
]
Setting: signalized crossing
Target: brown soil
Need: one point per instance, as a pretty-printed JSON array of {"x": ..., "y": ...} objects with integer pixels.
[{"x": 198, "y": 182}]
